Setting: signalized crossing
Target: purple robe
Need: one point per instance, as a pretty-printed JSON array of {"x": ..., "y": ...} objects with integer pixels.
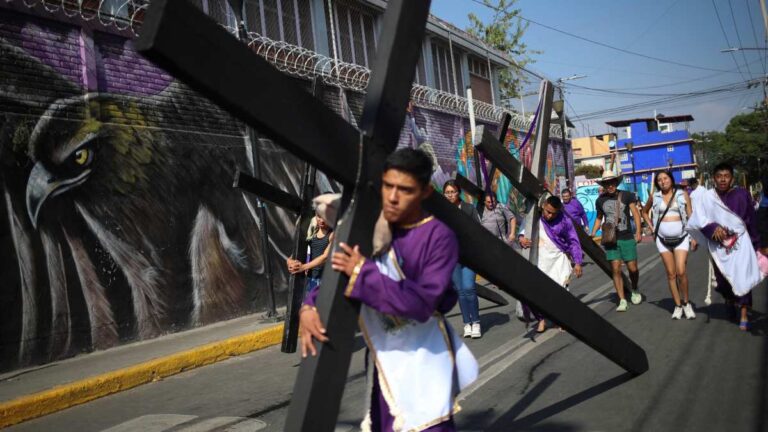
[
  {"x": 576, "y": 211},
  {"x": 427, "y": 253},
  {"x": 738, "y": 201},
  {"x": 563, "y": 234}
]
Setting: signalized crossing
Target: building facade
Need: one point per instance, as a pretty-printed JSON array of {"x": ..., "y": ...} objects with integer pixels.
[
  {"x": 649, "y": 145},
  {"x": 118, "y": 220}
]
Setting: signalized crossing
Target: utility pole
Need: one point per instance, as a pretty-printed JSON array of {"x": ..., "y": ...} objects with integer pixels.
[
  {"x": 560, "y": 109},
  {"x": 765, "y": 24}
]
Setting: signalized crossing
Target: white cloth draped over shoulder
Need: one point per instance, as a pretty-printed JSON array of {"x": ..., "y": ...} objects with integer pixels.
[
  {"x": 421, "y": 366},
  {"x": 739, "y": 266},
  {"x": 553, "y": 261}
]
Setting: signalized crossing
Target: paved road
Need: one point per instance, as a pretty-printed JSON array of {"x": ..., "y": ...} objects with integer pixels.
[{"x": 705, "y": 375}]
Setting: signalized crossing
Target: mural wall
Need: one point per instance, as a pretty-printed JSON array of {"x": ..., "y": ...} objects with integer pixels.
[
  {"x": 447, "y": 136},
  {"x": 118, "y": 221}
]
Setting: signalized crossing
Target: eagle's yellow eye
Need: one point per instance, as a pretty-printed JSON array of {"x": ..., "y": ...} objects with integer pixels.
[{"x": 82, "y": 156}]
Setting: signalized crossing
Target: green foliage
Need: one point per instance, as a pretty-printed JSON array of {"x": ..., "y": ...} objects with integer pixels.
[
  {"x": 589, "y": 171},
  {"x": 504, "y": 33},
  {"x": 743, "y": 144}
]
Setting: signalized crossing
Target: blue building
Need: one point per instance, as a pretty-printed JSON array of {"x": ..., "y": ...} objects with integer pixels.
[{"x": 649, "y": 145}]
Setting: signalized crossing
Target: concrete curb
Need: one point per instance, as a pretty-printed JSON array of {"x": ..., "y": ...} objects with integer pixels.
[{"x": 78, "y": 392}]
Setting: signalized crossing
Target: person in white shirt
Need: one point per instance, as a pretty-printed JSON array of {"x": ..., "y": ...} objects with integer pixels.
[{"x": 695, "y": 190}]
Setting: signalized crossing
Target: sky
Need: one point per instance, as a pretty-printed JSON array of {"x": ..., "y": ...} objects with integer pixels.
[{"x": 681, "y": 31}]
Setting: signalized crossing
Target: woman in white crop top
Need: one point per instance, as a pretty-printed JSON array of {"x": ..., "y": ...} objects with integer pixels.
[{"x": 668, "y": 213}]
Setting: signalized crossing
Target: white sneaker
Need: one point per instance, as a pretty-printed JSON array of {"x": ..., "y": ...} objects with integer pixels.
[
  {"x": 476, "y": 334},
  {"x": 678, "y": 313},
  {"x": 622, "y": 306},
  {"x": 636, "y": 297},
  {"x": 688, "y": 311},
  {"x": 467, "y": 330}
]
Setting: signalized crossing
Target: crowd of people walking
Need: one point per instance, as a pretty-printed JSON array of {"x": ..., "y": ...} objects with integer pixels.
[{"x": 414, "y": 278}]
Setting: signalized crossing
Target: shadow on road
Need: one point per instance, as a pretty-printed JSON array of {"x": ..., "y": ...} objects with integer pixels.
[
  {"x": 493, "y": 319},
  {"x": 509, "y": 420},
  {"x": 761, "y": 326}
]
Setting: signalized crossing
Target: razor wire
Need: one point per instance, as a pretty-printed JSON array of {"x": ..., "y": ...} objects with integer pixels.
[
  {"x": 304, "y": 63},
  {"x": 128, "y": 15},
  {"x": 122, "y": 15}
]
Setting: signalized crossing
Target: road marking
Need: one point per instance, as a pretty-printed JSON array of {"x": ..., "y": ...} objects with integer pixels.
[
  {"x": 187, "y": 423},
  {"x": 249, "y": 425},
  {"x": 210, "y": 424},
  {"x": 152, "y": 423},
  {"x": 517, "y": 348}
]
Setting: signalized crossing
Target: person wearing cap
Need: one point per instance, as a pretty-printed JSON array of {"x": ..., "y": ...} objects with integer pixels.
[{"x": 625, "y": 249}]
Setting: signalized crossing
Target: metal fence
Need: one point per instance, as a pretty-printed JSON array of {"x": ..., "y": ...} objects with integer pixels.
[
  {"x": 120, "y": 14},
  {"x": 289, "y": 58},
  {"x": 301, "y": 62}
]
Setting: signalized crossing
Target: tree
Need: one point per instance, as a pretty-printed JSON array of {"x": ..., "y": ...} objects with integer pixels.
[
  {"x": 589, "y": 171},
  {"x": 504, "y": 33},
  {"x": 743, "y": 144}
]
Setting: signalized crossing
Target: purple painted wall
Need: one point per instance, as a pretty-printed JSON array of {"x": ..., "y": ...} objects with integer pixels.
[{"x": 118, "y": 221}]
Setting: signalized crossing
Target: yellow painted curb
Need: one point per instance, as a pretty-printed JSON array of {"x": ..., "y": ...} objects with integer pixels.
[{"x": 78, "y": 392}]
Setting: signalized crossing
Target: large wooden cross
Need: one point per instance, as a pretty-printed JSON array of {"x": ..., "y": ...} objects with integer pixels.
[
  {"x": 532, "y": 187},
  {"x": 302, "y": 207},
  {"x": 193, "y": 48}
]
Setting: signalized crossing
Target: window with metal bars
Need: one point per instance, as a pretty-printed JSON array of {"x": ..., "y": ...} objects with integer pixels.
[
  {"x": 478, "y": 66},
  {"x": 421, "y": 73},
  {"x": 220, "y": 11},
  {"x": 281, "y": 20},
  {"x": 448, "y": 77},
  {"x": 354, "y": 27}
]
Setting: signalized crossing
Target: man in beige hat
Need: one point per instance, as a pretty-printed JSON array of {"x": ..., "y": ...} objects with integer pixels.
[{"x": 615, "y": 207}]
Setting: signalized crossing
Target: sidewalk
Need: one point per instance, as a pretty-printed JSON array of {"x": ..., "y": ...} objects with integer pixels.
[{"x": 40, "y": 390}]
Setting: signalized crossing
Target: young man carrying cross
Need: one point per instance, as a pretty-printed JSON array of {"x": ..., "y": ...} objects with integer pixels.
[
  {"x": 416, "y": 363},
  {"x": 558, "y": 247}
]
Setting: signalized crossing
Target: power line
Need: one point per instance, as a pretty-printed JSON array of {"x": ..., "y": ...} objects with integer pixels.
[
  {"x": 605, "y": 45},
  {"x": 653, "y": 24},
  {"x": 738, "y": 36},
  {"x": 725, "y": 87},
  {"x": 754, "y": 36},
  {"x": 669, "y": 103},
  {"x": 682, "y": 82},
  {"x": 664, "y": 100},
  {"x": 725, "y": 35}
]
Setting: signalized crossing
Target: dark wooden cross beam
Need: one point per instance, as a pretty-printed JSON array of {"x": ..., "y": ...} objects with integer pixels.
[
  {"x": 506, "y": 119},
  {"x": 196, "y": 50},
  {"x": 267, "y": 192},
  {"x": 525, "y": 182},
  {"x": 302, "y": 206},
  {"x": 470, "y": 188},
  {"x": 479, "y": 194},
  {"x": 538, "y": 170}
]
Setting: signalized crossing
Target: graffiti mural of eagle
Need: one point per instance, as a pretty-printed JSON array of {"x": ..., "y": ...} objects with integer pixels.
[{"x": 119, "y": 220}]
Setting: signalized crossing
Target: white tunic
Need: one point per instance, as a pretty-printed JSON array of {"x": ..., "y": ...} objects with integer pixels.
[
  {"x": 552, "y": 260},
  {"x": 415, "y": 362},
  {"x": 739, "y": 265}
]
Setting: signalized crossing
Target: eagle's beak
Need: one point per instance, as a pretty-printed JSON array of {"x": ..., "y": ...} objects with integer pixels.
[{"x": 42, "y": 184}]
